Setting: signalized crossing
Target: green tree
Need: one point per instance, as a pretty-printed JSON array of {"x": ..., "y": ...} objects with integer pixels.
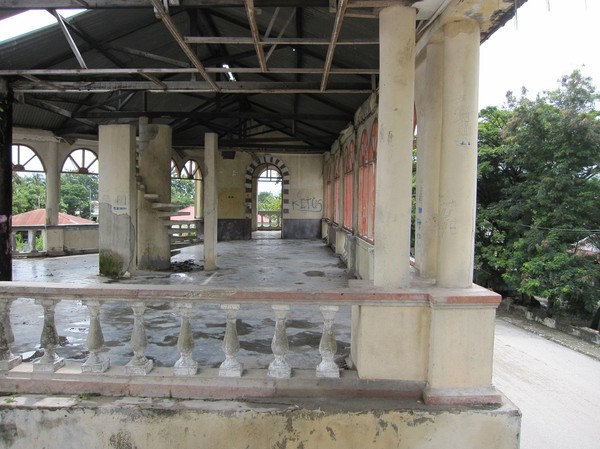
[
  {"x": 77, "y": 192},
  {"x": 267, "y": 201},
  {"x": 539, "y": 185},
  {"x": 183, "y": 191},
  {"x": 29, "y": 192}
]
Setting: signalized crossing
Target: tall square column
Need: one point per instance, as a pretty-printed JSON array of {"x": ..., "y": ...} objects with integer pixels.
[
  {"x": 118, "y": 199},
  {"x": 210, "y": 201}
]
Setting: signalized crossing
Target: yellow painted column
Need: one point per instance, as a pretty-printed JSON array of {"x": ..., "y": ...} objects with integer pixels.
[
  {"x": 210, "y": 202},
  {"x": 394, "y": 153},
  {"x": 429, "y": 94},
  {"x": 458, "y": 169}
]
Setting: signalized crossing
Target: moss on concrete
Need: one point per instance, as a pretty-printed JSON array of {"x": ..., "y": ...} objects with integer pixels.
[{"x": 110, "y": 263}]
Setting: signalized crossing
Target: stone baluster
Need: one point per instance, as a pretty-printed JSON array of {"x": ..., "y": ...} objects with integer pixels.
[
  {"x": 186, "y": 365},
  {"x": 279, "y": 367},
  {"x": 95, "y": 363},
  {"x": 231, "y": 345},
  {"x": 328, "y": 345},
  {"x": 139, "y": 364},
  {"x": 50, "y": 361},
  {"x": 7, "y": 359}
]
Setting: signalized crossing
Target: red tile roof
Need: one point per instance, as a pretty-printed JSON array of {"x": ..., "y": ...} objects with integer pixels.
[
  {"x": 37, "y": 217},
  {"x": 190, "y": 210}
]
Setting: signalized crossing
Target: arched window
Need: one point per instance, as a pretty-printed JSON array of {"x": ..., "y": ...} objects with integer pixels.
[
  {"x": 191, "y": 170},
  {"x": 337, "y": 216},
  {"x": 329, "y": 190},
  {"x": 186, "y": 186},
  {"x": 366, "y": 182},
  {"x": 26, "y": 159},
  {"x": 81, "y": 161},
  {"x": 348, "y": 155},
  {"x": 174, "y": 170}
]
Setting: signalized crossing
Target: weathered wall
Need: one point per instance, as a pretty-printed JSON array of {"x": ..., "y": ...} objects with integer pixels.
[
  {"x": 80, "y": 239},
  {"x": 128, "y": 423},
  {"x": 305, "y": 198}
]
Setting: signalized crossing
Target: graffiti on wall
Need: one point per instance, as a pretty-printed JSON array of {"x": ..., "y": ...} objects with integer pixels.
[{"x": 308, "y": 204}]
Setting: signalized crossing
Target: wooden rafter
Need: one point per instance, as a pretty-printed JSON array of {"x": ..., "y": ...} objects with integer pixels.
[
  {"x": 335, "y": 34},
  {"x": 166, "y": 19},
  {"x": 260, "y": 53}
]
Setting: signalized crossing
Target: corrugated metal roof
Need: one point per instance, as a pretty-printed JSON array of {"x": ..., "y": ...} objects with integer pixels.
[
  {"x": 37, "y": 217},
  {"x": 137, "y": 39}
]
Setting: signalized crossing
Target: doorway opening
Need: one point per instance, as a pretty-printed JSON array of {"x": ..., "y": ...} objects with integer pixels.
[{"x": 267, "y": 217}]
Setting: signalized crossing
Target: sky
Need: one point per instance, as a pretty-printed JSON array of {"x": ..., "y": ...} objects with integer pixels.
[{"x": 548, "y": 39}]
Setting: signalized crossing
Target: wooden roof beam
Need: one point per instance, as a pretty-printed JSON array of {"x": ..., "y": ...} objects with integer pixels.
[
  {"x": 335, "y": 34},
  {"x": 170, "y": 25},
  {"x": 260, "y": 53}
]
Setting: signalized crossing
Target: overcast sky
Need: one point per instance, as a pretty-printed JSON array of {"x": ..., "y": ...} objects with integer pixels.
[{"x": 549, "y": 38}]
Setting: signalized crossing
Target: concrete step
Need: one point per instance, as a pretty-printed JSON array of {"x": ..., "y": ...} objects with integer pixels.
[
  {"x": 165, "y": 206},
  {"x": 166, "y": 214}
]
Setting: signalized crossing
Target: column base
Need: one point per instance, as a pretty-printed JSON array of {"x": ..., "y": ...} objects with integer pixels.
[
  {"x": 185, "y": 369},
  {"x": 40, "y": 366},
  {"x": 462, "y": 396},
  {"x": 99, "y": 366},
  {"x": 280, "y": 370},
  {"x": 230, "y": 369},
  {"x": 328, "y": 371},
  {"x": 10, "y": 363},
  {"x": 139, "y": 369}
]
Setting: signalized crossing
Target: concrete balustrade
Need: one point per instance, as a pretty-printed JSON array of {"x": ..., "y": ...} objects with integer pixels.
[{"x": 389, "y": 363}]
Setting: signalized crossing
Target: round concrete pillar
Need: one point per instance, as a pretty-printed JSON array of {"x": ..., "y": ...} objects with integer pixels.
[
  {"x": 394, "y": 152},
  {"x": 458, "y": 169},
  {"x": 429, "y": 92}
]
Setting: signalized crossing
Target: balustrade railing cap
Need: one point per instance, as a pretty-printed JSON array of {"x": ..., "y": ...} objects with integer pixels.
[{"x": 356, "y": 294}]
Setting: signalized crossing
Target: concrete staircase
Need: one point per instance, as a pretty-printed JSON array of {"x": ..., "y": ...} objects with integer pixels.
[{"x": 183, "y": 232}]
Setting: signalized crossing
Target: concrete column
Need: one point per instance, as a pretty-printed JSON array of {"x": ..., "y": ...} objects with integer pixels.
[
  {"x": 154, "y": 171},
  {"x": 210, "y": 201},
  {"x": 198, "y": 198},
  {"x": 118, "y": 199},
  {"x": 52, "y": 185},
  {"x": 458, "y": 169},
  {"x": 429, "y": 91},
  {"x": 6, "y": 102},
  {"x": 394, "y": 153}
]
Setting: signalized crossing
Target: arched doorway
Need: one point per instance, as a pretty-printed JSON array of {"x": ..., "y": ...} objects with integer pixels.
[
  {"x": 79, "y": 184},
  {"x": 278, "y": 172},
  {"x": 268, "y": 201}
]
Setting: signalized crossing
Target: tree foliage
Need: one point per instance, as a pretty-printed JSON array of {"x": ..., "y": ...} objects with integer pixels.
[
  {"x": 268, "y": 201},
  {"x": 77, "y": 192},
  {"x": 539, "y": 186},
  {"x": 29, "y": 193},
  {"x": 183, "y": 191}
]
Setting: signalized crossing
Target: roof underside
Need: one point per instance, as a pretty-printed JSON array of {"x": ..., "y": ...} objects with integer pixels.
[{"x": 298, "y": 70}]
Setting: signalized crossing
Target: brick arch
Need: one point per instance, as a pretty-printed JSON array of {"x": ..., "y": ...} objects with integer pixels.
[{"x": 285, "y": 179}]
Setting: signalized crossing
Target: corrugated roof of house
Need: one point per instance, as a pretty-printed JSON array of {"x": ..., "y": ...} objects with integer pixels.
[{"x": 37, "y": 217}]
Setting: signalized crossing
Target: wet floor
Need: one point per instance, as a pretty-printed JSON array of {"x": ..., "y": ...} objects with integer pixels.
[{"x": 264, "y": 262}]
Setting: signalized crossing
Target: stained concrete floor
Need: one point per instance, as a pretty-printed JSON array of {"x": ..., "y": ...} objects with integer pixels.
[{"x": 264, "y": 261}]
